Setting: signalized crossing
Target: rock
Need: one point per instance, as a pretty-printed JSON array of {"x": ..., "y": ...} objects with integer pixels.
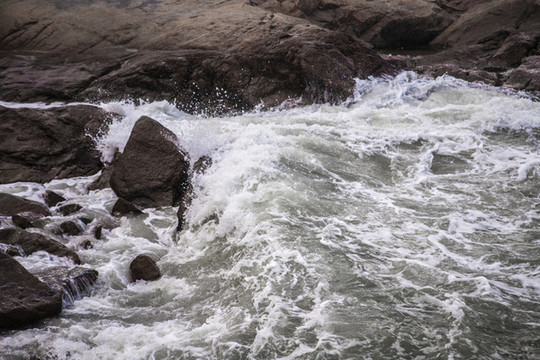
[
  {"x": 526, "y": 76},
  {"x": 13, "y": 205},
  {"x": 153, "y": 168},
  {"x": 24, "y": 299},
  {"x": 87, "y": 244},
  {"x": 183, "y": 207},
  {"x": 39, "y": 145},
  {"x": 98, "y": 232},
  {"x": 26, "y": 220},
  {"x": 213, "y": 56},
  {"x": 32, "y": 242},
  {"x": 72, "y": 283},
  {"x": 70, "y": 228},
  {"x": 143, "y": 267},
  {"x": 52, "y": 199},
  {"x": 69, "y": 209},
  {"x": 123, "y": 207},
  {"x": 202, "y": 164}
]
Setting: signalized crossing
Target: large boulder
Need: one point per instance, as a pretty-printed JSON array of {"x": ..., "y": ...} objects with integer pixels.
[
  {"x": 23, "y": 297},
  {"x": 42, "y": 144},
  {"x": 11, "y": 205},
  {"x": 153, "y": 169},
  {"x": 32, "y": 242}
]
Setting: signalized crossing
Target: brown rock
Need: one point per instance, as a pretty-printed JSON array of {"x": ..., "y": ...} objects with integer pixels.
[
  {"x": 40, "y": 145},
  {"x": 24, "y": 299},
  {"x": 143, "y": 267},
  {"x": 153, "y": 168},
  {"x": 32, "y": 242}
]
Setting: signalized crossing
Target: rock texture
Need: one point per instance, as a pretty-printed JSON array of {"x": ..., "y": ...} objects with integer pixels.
[
  {"x": 13, "y": 205},
  {"x": 123, "y": 207},
  {"x": 143, "y": 267},
  {"x": 32, "y": 242},
  {"x": 40, "y": 145},
  {"x": 152, "y": 170},
  {"x": 23, "y": 297}
]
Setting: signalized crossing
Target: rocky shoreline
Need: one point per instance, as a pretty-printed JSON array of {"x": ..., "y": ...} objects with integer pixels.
[{"x": 207, "y": 57}]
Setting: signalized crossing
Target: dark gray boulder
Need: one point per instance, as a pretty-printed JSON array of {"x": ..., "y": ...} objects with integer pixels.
[
  {"x": 70, "y": 228},
  {"x": 52, "y": 198},
  {"x": 143, "y": 267},
  {"x": 13, "y": 205},
  {"x": 69, "y": 209},
  {"x": 153, "y": 169},
  {"x": 24, "y": 299},
  {"x": 32, "y": 242}
]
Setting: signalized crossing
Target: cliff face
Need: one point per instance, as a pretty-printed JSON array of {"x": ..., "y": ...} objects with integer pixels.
[{"x": 233, "y": 55}]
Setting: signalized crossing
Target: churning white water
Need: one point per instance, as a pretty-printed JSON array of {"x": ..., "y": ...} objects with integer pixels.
[{"x": 402, "y": 224}]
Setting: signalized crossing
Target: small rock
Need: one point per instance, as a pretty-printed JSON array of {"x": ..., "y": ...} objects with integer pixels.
[
  {"x": 70, "y": 228},
  {"x": 23, "y": 297},
  {"x": 98, "y": 232},
  {"x": 24, "y": 220},
  {"x": 52, "y": 199},
  {"x": 143, "y": 267},
  {"x": 69, "y": 209},
  {"x": 202, "y": 164},
  {"x": 87, "y": 244},
  {"x": 123, "y": 207}
]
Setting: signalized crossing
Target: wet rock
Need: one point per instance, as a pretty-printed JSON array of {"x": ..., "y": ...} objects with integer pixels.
[
  {"x": 26, "y": 220},
  {"x": 72, "y": 283},
  {"x": 69, "y": 209},
  {"x": 24, "y": 299},
  {"x": 143, "y": 267},
  {"x": 153, "y": 168},
  {"x": 52, "y": 198},
  {"x": 70, "y": 228},
  {"x": 202, "y": 164},
  {"x": 13, "y": 205},
  {"x": 98, "y": 230},
  {"x": 32, "y": 242},
  {"x": 43, "y": 144},
  {"x": 183, "y": 207},
  {"x": 123, "y": 207},
  {"x": 87, "y": 244},
  {"x": 526, "y": 76}
]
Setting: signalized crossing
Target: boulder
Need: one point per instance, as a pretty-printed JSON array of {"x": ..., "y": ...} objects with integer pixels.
[
  {"x": 32, "y": 242},
  {"x": 123, "y": 207},
  {"x": 143, "y": 267},
  {"x": 26, "y": 220},
  {"x": 72, "y": 283},
  {"x": 13, "y": 205},
  {"x": 153, "y": 169},
  {"x": 39, "y": 145},
  {"x": 52, "y": 198},
  {"x": 24, "y": 299}
]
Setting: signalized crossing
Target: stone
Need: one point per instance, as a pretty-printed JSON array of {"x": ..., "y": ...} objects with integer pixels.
[
  {"x": 70, "y": 228},
  {"x": 13, "y": 205},
  {"x": 24, "y": 299},
  {"x": 25, "y": 220},
  {"x": 72, "y": 282},
  {"x": 202, "y": 164},
  {"x": 69, "y": 209},
  {"x": 123, "y": 207},
  {"x": 39, "y": 145},
  {"x": 32, "y": 242},
  {"x": 52, "y": 198},
  {"x": 152, "y": 170},
  {"x": 98, "y": 230},
  {"x": 143, "y": 267}
]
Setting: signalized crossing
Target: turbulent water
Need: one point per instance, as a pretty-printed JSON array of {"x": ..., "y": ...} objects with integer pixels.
[{"x": 404, "y": 224}]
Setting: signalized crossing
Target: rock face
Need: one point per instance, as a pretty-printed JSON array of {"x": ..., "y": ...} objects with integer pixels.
[
  {"x": 152, "y": 170},
  {"x": 144, "y": 267},
  {"x": 40, "y": 145},
  {"x": 32, "y": 242},
  {"x": 13, "y": 205},
  {"x": 23, "y": 297}
]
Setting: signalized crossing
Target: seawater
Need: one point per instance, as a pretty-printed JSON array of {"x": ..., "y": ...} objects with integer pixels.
[{"x": 402, "y": 224}]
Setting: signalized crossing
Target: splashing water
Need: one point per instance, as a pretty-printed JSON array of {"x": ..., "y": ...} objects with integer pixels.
[{"x": 403, "y": 224}]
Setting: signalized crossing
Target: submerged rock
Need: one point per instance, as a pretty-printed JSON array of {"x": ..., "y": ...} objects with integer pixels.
[
  {"x": 143, "y": 267},
  {"x": 153, "y": 169},
  {"x": 70, "y": 228},
  {"x": 69, "y": 209},
  {"x": 32, "y": 242},
  {"x": 23, "y": 297},
  {"x": 13, "y": 205}
]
